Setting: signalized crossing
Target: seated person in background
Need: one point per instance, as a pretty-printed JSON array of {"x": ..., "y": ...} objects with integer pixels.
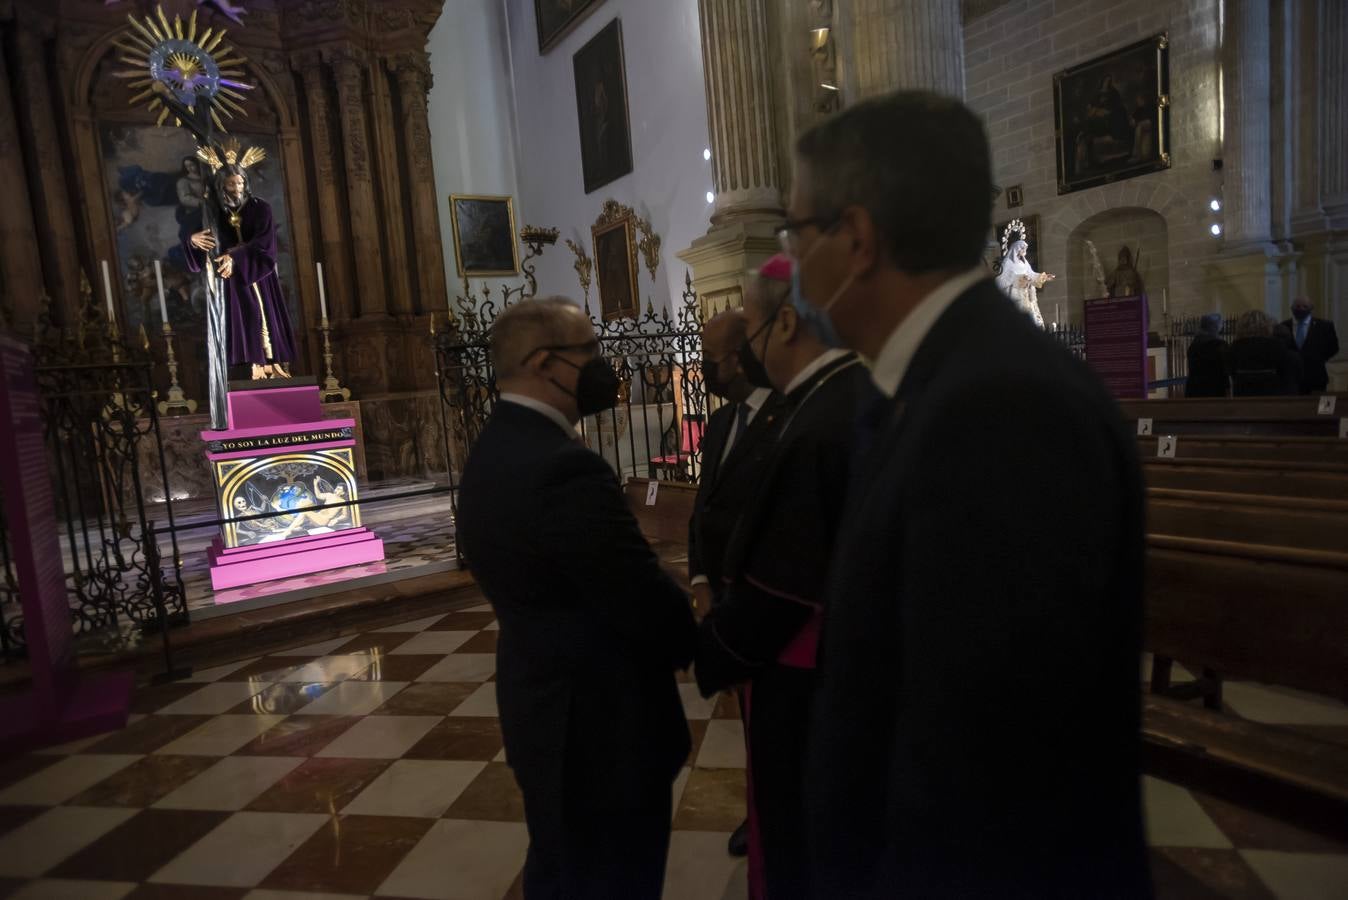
[
  {"x": 1262, "y": 364},
  {"x": 1315, "y": 342},
  {"x": 765, "y": 630},
  {"x": 1209, "y": 360}
]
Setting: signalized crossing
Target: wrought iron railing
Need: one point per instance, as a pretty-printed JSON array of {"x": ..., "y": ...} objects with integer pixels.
[{"x": 655, "y": 429}]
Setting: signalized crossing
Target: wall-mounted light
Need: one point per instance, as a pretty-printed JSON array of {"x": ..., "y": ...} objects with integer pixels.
[
  {"x": 828, "y": 86},
  {"x": 1215, "y": 205},
  {"x": 1216, "y": 229},
  {"x": 706, "y": 153},
  {"x": 819, "y": 38},
  {"x": 711, "y": 198}
]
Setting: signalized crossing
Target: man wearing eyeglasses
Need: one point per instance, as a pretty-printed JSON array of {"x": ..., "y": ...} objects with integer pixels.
[
  {"x": 591, "y": 629},
  {"x": 976, "y": 721}
]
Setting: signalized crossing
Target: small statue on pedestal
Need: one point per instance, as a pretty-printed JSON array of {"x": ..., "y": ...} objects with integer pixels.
[{"x": 1125, "y": 280}]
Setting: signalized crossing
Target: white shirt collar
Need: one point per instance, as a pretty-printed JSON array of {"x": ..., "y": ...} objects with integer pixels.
[
  {"x": 539, "y": 406},
  {"x": 756, "y": 399},
  {"x": 814, "y": 366},
  {"x": 891, "y": 364}
]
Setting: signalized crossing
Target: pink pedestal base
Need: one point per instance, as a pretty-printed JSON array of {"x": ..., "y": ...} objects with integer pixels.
[
  {"x": 242, "y": 566},
  {"x": 87, "y": 706}
]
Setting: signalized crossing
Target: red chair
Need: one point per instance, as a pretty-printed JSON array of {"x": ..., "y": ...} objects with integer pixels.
[{"x": 690, "y": 439}]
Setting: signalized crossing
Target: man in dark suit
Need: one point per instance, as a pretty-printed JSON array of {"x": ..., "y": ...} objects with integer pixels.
[
  {"x": 764, "y": 633},
  {"x": 976, "y": 723},
  {"x": 1315, "y": 341},
  {"x": 592, "y": 630},
  {"x": 734, "y": 449}
]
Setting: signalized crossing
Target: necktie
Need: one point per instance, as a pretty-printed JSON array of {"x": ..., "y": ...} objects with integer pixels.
[
  {"x": 741, "y": 423},
  {"x": 1301, "y": 331}
]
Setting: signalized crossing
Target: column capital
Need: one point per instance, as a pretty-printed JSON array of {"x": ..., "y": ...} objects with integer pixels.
[{"x": 413, "y": 71}]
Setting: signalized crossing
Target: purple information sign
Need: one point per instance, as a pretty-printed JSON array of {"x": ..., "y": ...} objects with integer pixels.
[{"x": 1116, "y": 344}]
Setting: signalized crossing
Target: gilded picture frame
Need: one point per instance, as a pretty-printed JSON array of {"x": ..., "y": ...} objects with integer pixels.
[
  {"x": 484, "y": 235},
  {"x": 615, "y": 262},
  {"x": 1101, "y": 138},
  {"x": 555, "y": 19}
]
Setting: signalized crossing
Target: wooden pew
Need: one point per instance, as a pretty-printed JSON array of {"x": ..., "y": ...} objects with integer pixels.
[
  {"x": 1316, "y": 481},
  {"x": 1288, "y": 450},
  {"x": 1249, "y": 518},
  {"x": 1239, "y": 415}
]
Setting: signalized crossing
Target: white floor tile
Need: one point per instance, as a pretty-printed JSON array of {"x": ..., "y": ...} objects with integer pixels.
[
  {"x": 415, "y": 625},
  {"x": 500, "y": 756},
  {"x": 484, "y": 858},
  {"x": 699, "y": 868},
  {"x": 462, "y": 667},
  {"x": 416, "y": 787},
  {"x": 481, "y": 607},
  {"x": 723, "y": 747},
  {"x": 380, "y": 737},
  {"x": 322, "y": 648},
  {"x": 1177, "y": 672},
  {"x": 214, "y": 699},
  {"x": 215, "y": 673},
  {"x": 695, "y": 706},
  {"x": 327, "y": 669},
  {"x": 1174, "y": 818},
  {"x": 1301, "y": 876},
  {"x": 434, "y": 642},
  {"x": 220, "y": 736},
  {"x": 298, "y": 895},
  {"x": 242, "y": 850},
  {"x": 73, "y": 889},
  {"x": 38, "y": 845},
  {"x": 64, "y": 779},
  {"x": 230, "y": 784},
  {"x": 494, "y": 626},
  {"x": 1282, "y": 706},
  {"x": 680, "y": 782},
  {"x": 482, "y": 702},
  {"x": 352, "y": 698}
]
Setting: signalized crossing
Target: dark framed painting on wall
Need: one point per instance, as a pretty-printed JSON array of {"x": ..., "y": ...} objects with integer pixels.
[
  {"x": 484, "y": 235},
  {"x": 601, "y": 108},
  {"x": 1112, "y": 116},
  {"x": 615, "y": 262},
  {"x": 557, "y": 18}
]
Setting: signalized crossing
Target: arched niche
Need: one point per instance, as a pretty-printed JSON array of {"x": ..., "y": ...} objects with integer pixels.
[{"x": 1142, "y": 230}]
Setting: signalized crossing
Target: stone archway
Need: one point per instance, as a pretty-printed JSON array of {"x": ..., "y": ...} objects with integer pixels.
[{"x": 1143, "y": 231}]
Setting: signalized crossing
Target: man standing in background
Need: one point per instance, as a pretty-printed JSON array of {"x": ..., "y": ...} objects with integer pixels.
[{"x": 1315, "y": 341}]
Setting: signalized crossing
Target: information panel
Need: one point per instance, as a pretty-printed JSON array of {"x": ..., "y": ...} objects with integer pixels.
[{"x": 1116, "y": 344}]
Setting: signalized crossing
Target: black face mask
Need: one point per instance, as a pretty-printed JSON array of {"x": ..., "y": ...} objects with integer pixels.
[
  {"x": 596, "y": 386},
  {"x": 711, "y": 377},
  {"x": 1301, "y": 314}
]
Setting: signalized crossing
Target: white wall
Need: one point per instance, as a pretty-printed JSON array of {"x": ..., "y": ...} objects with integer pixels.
[
  {"x": 666, "y": 103},
  {"x": 471, "y": 111}
]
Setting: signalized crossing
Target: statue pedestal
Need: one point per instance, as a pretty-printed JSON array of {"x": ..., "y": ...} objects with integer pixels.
[{"x": 275, "y": 468}]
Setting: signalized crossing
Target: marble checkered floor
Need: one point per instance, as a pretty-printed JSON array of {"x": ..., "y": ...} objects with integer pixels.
[{"x": 370, "y": 766}]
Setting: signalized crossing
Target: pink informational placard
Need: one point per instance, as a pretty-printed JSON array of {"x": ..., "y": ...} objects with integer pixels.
[
  {"x": 1116, "y": 344},
  {"x": 59, "y": 706}
]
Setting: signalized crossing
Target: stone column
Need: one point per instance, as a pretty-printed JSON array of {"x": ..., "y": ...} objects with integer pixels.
[
  {"x": 1249, "y": 261},
  {"x": 52, "y": 209},
  {"x": 390, "y": 193},
  {"x": 735, "y": 61},
  {"x": 348, "y": 66},
  {"x": 885, "y": 45},
  {"x": 20, "y": 263},
  {"x": 1334, "y": 115},
  {"x": 333, "y": 252},
  {"x": 413, "y": 72}
]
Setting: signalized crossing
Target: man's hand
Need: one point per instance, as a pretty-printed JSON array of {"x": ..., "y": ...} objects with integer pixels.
[
  {"x": 203, "y": 240},
  {"x": 701, "y": 598},
  {"x": 224, "y": 265}
]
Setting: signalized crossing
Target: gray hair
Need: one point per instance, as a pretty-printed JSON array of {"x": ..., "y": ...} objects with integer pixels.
[{"x": 528, "y": 326}]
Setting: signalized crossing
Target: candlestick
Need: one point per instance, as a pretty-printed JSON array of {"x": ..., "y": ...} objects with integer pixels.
[
  {"x": 1165, "y": 301},
  {"x": 177, "y": 400},
  {"x": 159, "y": 279},
  {"x": 332, "y": 388},
  {"x": 322, "y": 295},
  {"x": 107, "y": 290}
]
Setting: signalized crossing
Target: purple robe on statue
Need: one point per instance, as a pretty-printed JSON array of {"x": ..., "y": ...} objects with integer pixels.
[{"x": 253, "y": 292}]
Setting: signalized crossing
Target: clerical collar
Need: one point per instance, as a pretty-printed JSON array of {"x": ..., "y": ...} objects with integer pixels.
[
  {"x": 538, "y": 406},
  {"x": 891, "y": 363},
  {"x": 813, "y": 367}
]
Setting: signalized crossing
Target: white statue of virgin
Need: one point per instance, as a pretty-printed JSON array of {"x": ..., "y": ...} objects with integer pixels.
[{"x": 1019, "y": 281}]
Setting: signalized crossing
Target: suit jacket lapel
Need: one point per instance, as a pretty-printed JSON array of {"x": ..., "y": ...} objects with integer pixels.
[
  {"x": 713, "y": 443},
  {"x": 765, "y": 420}
]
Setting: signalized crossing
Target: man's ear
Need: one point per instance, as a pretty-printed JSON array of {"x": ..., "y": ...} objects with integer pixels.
[
  {"x": 788, "y": 322},
  {"x": 863, "y": 248}
]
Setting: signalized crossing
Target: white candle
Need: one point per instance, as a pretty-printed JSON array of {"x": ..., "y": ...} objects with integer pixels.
[
  {"x": 159, "y": 279},
  {"x": 107, "y": 289},
  {"x": 322, "y": 295},
  {"x": 1165, "y": 301}
]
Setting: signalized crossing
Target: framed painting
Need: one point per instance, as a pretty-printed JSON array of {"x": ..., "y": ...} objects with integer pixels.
[
  {"x": 484, "y": 235},
  {"x": 615, "y": 258},
  {"x": 558, "y": 18},
  {"x": 1112, "y": 116},
  {"x": 601, "y": 108}
]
